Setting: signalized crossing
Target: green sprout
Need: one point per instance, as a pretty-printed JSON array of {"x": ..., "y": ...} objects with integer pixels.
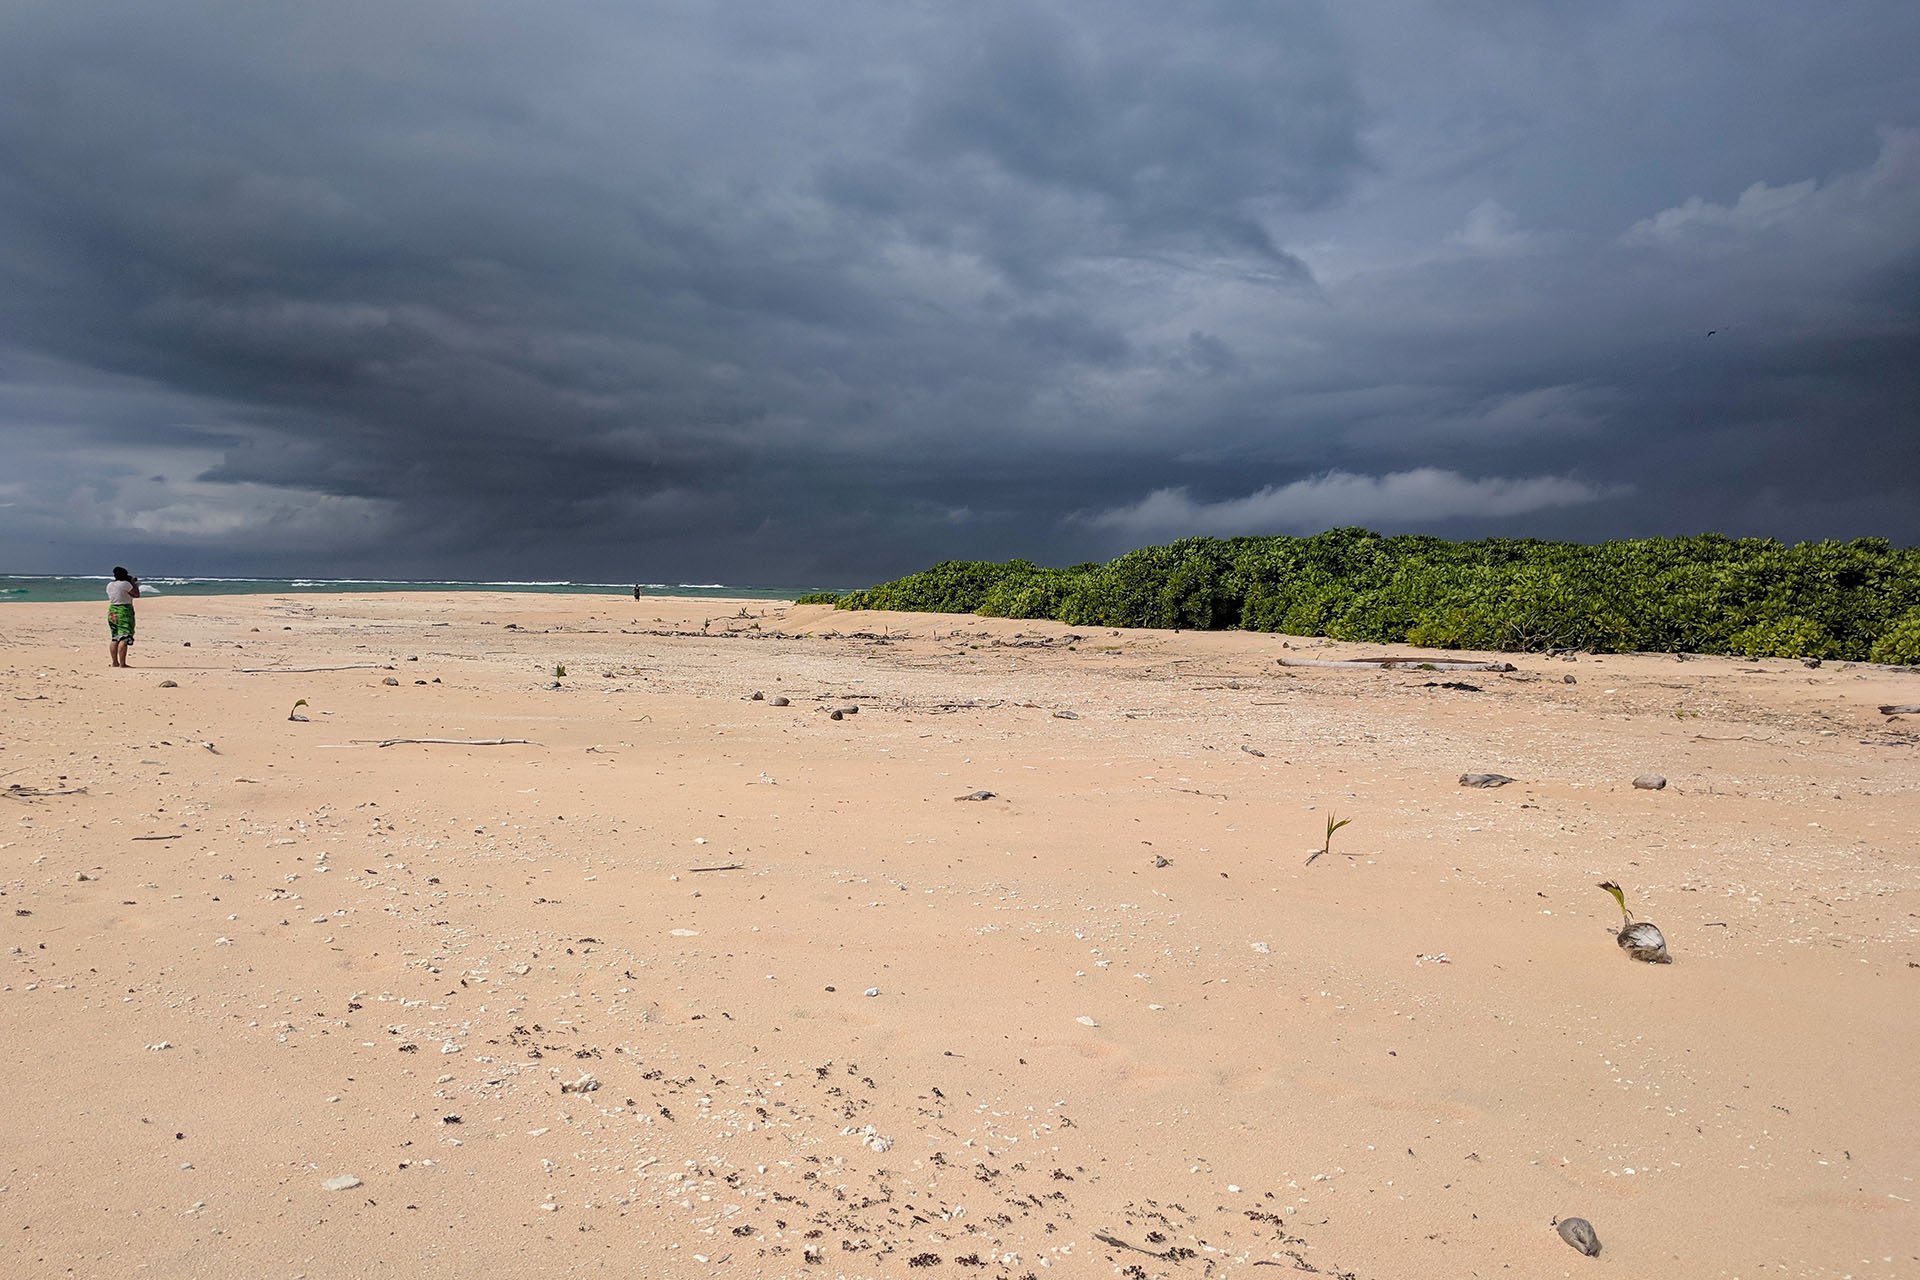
[
  {"x": 559, "y": 671},
  {"x": 295, "y": 713},
  {"x": 1326, "y": 845}
]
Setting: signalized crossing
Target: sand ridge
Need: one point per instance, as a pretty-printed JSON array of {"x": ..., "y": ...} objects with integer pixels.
[{"x": 1119, "y": 1026}]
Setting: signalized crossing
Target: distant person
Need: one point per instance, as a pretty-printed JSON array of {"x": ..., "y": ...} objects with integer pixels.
[
  {"x": 636, "y": 591},
  {"x": 121, "y": 593}
]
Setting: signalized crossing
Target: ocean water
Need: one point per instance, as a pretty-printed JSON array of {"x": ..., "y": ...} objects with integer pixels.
[{"x": 41, "y": 587}]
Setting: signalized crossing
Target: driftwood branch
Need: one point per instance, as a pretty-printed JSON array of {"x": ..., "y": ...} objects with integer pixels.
[
  {"x": 301, "y": 671},
  {"x": 451, "y": 742},
  {"x": 1397, "y": 664},
  {"x": 1169, "y": 1256},
  {"x": 1901, "y": 709},
  {"x": 731, "y": 866},
  {"x": 21, "y": 792},
  {"x": 154, "y": 837}
]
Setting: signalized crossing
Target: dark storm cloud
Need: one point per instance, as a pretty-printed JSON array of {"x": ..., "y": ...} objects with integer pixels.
[{"x": 754, "y": 294}]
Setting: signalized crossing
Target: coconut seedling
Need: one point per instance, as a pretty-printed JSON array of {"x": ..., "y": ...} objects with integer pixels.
[
  {"x": 295, "y": 713},
  {"x": 1326, "y": 845},
  {"x": 1640, "y": 939}
]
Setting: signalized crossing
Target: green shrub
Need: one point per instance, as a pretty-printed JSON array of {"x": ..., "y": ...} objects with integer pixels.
[
  {"x": 818, "y": 597},
  {"x": 1899, "y": 644},
  {"x": 1790, "y": 637},
  {"x": 1705, "y": 594}
]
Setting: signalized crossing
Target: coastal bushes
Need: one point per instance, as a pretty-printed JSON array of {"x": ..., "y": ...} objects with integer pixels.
[{"x": 1701, "y": 594}]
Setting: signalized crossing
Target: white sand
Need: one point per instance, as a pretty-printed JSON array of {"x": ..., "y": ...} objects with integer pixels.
[{"x": 1402, "y": 1061}]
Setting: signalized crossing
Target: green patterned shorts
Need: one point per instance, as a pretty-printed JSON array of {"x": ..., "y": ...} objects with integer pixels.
[{"x": 120, "y": 622}]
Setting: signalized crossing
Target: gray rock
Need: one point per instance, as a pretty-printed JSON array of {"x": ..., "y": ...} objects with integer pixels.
[
  {"x": 1650, "y": 782},
  {"x": 1253, "y": 751},
  {"x": 757, "y": 696},
  {"x": 1568, "y": 680},
  {"x": 1066, "y": 715},
  {"x": 976, "y": 795},
  {"x": 1578, "y": 1232},
  {"x": 1160, "y": 861},
  {"x": 169, "y": 684},
  {"x": 1484, "y": 779},
  {"x": 835, "y": 715},
  {"x": 345, "y": 1182},
  {"x": 394, "y": 681},
  {"x": 777, "y": 702}
]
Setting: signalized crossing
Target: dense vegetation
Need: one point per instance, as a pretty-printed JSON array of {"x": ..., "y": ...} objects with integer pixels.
[{"x": 1705, "y": 594}]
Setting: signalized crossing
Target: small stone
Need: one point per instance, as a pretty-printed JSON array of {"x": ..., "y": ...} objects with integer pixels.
[
  {"x": 1648, "y": 782},
  {"x": 1484, "y": 779},
  {"x": 1066, "y": 715},
  {"x": 1263, "y": 948},
  {"x": 1253, "y": 751},
  {"x": 1085, "y": 1021},
  {"x": 871, "y": 991},
  {"x": 585, "y": 1084},
  {"x": 345, "y": 1182},
  {"x": 976, "y": 795},
  {"x": 757, "y": 696},
  {"x": 394, "y": 681},
  {"x": 1578, "y": 1232},
  {"x": 449, "y": 1047},
  {"x": 159, "y": 1045},
  {"x": 82, "y": 876},
  {"x": 777, "y": 701},
  {"x": 1568, "y": 680},
  {"x": 850, "y": 709},
  {"x": 169, "y": 684},
  {"x": 1159, "y": 861},
  {"x": 835, "y": 715}
]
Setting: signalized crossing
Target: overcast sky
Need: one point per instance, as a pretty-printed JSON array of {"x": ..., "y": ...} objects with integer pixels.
[{"x": 818, "y": 294}]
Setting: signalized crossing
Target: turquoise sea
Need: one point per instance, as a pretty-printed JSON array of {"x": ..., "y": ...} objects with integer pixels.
[{"x": 41, "y": 587}]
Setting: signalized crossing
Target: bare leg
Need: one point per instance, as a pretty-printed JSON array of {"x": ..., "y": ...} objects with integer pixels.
[{"x": 113, "y": 652}]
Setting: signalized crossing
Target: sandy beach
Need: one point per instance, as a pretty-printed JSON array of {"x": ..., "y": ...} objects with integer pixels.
[{"x": 689, "y": 983}]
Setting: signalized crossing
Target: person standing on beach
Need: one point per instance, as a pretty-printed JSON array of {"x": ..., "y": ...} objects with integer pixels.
[{"x": 121, "y": 593}]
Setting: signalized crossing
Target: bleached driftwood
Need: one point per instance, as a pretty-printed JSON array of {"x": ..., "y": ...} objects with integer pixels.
[
  {"x": 1397, "y": 664},
  {"x": 451, "y": 742},
  {"x": 303, "y": 671},
  {"x": 1901, "y": 709},
  {"x": 21, "y": 792}
]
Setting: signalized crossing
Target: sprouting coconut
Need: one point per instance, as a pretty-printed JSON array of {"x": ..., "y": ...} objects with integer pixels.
[{"x": 1640, "y": 939}]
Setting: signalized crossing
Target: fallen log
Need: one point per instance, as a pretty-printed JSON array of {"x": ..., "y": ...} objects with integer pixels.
[
  {"x": 1397, "y": 664},
  {"x": 731, "y": 866},
  {"x": 1901, "y": 709}
]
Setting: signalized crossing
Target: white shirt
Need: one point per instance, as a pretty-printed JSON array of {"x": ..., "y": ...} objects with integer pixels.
[{"x": 119, "y": 591}]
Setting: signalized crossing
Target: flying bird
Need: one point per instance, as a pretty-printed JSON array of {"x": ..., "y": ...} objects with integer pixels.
[{"x": 1640, "y": 939}]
